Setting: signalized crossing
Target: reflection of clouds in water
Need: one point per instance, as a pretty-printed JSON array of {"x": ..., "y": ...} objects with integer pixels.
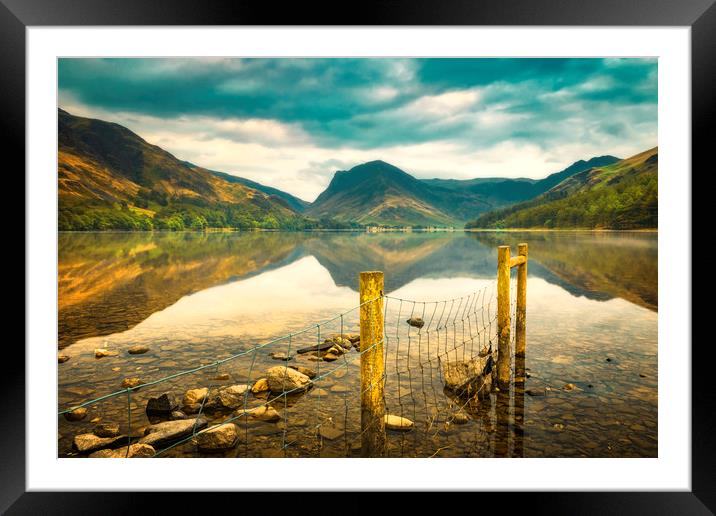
[
  {"x": 302, "y": 286},
  {"x": 439, "y": 289}
]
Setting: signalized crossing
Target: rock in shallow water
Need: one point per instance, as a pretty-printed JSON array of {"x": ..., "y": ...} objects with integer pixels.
[
  {"x": 131, "y": 382},
  {"x": 470, "y": 376},
  {"x": 416, "y": 322},
  {"x": 218, "y": 437},
  {"x": 460, "y": 418},
  {"x": 106, "y": 430},
  {"x": 304, "y": 370},
  {"x": 169, "y": 431},
  {"x": 85, "y": 443},
  {"x": 330, "y": 432},
  {"x": 137, "y": 350},
  {"x": 260, "y": 385},
  {"x": 263, "y": 413},
  {"x": 536, "y": 392},
  {"x": 135, "y": 451},
  {"x": 101, "y": 352},
  {"x": 393, "y": 422},
  {"x": 163, "y": 405},
  {"x": 61, "y": 359},
  {"x": 194, "y": 396},
  {"x": 232, "y": 397},
  {"x": 76, "y": 415},
  {"x": 282, "y": 379}
]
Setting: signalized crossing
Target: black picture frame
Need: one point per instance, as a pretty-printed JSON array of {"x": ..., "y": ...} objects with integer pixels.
[{"x": 700, "y": 15}]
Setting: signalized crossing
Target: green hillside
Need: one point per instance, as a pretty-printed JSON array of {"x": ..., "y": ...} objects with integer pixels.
[
  {"x": 378, "y": 193},
  {"x": 623, "y": 195},
  {"x": 110, "y": 178}
]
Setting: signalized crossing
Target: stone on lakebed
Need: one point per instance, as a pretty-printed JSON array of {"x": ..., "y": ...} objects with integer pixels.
[
  {"x": 393, "y": 422},
  {"x": 169, "y": 431},
  {"x": 102, "y": 352},
  {"x": 76, "y": 415},
  {"x": 283, "y": 379},
  {"x": 135, "y": 451},
  {"x": 163, "y": 405},
  {"x": 218, "y": 437}
]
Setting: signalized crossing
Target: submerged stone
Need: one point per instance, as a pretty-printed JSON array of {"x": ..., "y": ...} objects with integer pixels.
[
  {"x": 416, "y": 322},
  {"x": 393, "y": 422}
]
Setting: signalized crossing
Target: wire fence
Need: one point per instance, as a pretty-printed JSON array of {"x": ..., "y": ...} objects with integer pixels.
[{"x": 299, "y": 395}]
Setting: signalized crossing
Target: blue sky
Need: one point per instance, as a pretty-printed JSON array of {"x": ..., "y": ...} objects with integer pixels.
[{"x": 291, "y": 123}]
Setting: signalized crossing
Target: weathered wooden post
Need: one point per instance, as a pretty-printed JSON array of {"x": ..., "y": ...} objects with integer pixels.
[
  {"x": 503, "y": 316},
  {"x": 521, "y": 322},
  {"x": 372, "y": 367}
]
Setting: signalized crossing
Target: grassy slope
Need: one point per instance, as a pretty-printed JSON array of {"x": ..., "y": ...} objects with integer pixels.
[
  {"x": 619, "y": 196},
  {"x": 110, "y": 178},
  {"x": 293, "y": 202}
]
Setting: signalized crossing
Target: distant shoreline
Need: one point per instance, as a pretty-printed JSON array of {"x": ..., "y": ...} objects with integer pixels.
[{"x": 386, "y": 230}]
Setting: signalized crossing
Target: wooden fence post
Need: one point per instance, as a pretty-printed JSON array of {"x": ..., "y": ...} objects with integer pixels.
[
  {"x": 503, "y": 316},
  {"x": 521, "y": 322},
  {"x": 372, "y": 367}
]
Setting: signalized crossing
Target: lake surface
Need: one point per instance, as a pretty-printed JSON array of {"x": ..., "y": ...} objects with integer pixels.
[{"x": 193, "y": 298}]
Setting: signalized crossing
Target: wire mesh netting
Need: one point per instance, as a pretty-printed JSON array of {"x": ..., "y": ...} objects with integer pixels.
[{"x": 299, "y": 395}]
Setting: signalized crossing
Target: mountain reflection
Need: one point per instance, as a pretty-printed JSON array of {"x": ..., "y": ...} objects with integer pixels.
[{"x": 109, "y": 282}]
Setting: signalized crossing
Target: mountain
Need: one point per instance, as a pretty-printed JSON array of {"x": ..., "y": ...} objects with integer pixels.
[
  {"x": 293, "y": 202},
  {"x": 622, "y": 195},
  {"x": 501, "y": 192},
  {"x": 110, "y": 178},
  {"x": 378, "y": 193}
]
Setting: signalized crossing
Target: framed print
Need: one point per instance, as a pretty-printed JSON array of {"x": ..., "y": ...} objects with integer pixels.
[{"x": 444, "y": 248}]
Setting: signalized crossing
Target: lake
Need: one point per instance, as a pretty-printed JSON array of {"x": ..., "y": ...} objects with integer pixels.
[{"x": 194, "y": 298}]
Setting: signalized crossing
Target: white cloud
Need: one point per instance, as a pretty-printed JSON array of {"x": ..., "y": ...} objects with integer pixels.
[{"x": 286, "y": 157}]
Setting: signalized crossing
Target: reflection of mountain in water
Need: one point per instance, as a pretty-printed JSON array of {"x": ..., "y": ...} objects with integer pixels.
[
  {"x": 599, "y": 266},
  {"x": 111, "y": 282}
]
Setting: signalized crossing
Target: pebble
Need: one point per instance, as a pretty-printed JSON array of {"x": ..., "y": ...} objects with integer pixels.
[
  {"x": 131, "y": 382},
  {"x": 416, "y": 322},
  {"x": 460, "y": 418},
  {"x": 223, "y": 376},
  {"x": 569, "y": 386},
  {"x": 137, "y": 350},
  {"x": 76, "y": 415},
  {"x": 330, "y": 357},
  {"x": 535, "y": 392},
  {"x": 101, "y": 352},
  {"x": 194, "y": 396},
  {"x": 330, "y": 432},
  {"x": 106, "y": 430},
  {"x": 264, "y": 413},
  {"x": 280, "y": 356},
  {"x": 305, "y": 370},
  {"x": 340, "y": 388},
  {"x": 61, "y": 359},
  {"x": 393, "y": 422},
  {"x": 260, "y": 385},
  {"x": 135, "y": 451}
]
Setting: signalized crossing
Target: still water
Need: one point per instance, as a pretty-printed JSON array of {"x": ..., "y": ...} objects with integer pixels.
[{"x": 194, "y": 298}]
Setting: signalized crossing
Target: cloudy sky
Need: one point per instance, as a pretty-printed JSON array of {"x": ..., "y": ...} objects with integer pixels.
[{"x": 291, "y": 123}]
